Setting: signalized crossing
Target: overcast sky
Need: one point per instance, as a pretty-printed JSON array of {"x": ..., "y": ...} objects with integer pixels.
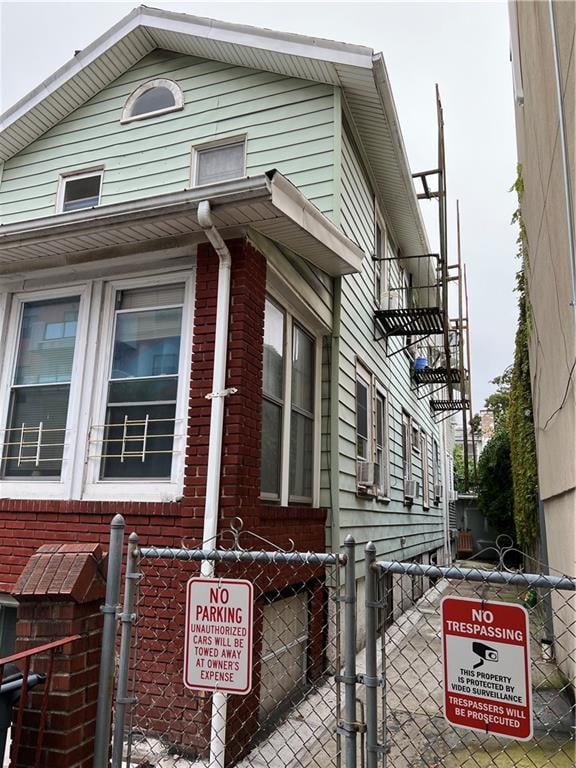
[{"x": 462, "y": 46}]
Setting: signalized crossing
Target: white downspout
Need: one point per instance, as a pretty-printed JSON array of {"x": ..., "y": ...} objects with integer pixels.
[{"x": 217, "y": 398}]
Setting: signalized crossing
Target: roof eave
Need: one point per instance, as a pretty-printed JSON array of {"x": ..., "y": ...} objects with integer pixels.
[{"x": 324, "y": 245}]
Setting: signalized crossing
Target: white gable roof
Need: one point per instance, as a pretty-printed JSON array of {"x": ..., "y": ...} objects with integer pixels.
[{"x": 356, "y": 69}]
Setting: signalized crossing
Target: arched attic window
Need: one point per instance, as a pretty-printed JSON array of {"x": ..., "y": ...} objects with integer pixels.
[{"x": 156, "y": 97}]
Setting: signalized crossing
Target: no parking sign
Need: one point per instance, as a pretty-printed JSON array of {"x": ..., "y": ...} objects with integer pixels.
[{"x": 218, "y": 635}]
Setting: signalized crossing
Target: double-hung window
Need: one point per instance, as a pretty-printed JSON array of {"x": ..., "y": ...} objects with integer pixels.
[
  {"x": 371, "y": 435},
  {"x": 142, "y": 384},
  {"x": 436, "y": 472},
  {"x": 381, "y": 264},
  {"x": 302, "y": 415},
  {"x": 36, "y": 433},
  {"x": 381, "y": 440},
  {"x": 288, "y": 457},
  {"x": 39, "y": 392},
  {"x": 363, "y": 420},
  {"x": 273, "y": 400},
  {"x": 138, "y": 427},
  {"x": 406, "y": 448}
]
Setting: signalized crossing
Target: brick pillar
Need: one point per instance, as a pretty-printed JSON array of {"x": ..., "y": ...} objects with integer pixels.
[{"x": 60, "y": 592}]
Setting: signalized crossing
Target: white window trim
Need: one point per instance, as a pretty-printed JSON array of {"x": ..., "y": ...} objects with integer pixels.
[
  {"x": 381, "y": 268},
  {"x": 364, "y": 375},
  {"x": 67, "y": 176},
  {"x": 39, "y": 488},
  {"x": 221, "y": 141},
  {"x": 174, "y": 89},
  {"x": 290, "y": 317},
  {"x": 143, "y": 489},
  {"x": 425, "y": 470},
  {"x": 383, "y": 488}
]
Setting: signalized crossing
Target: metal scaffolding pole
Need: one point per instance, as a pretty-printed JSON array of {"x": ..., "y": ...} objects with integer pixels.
[
  {"x": 461, "y": 353},
  {"x": 469, "y": 365}
]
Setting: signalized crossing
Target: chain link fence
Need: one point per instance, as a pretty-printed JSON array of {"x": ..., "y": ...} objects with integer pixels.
[
  {"x": 412, "y": 731},
  {"x": 288, "y": 718},
  {"x": 317, "y": 703}
]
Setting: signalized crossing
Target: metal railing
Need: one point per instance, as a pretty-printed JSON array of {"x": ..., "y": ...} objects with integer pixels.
[{"x": 17, "y": 685}]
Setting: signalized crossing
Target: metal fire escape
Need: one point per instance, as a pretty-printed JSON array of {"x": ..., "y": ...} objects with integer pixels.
[
  {"x": 420, "y": 313},
  {"x": 445, "y": 366}
]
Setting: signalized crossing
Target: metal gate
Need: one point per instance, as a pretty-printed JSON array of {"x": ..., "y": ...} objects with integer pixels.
[
  {"x": 406, "y": 727},
  {"x": 290, "y": 716},
  {"x": 316, "y": 702}
]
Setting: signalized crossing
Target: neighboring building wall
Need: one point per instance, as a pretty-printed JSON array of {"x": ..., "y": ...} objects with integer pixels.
[
  {"x": 289, "y": 125},
  {"x": 553, "y": 338},
  {"x": 397, "y": 530}
]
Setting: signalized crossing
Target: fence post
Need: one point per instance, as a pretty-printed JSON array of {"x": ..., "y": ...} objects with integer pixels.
[
  {"x": 127, "y": 619},
  {"x": 106, "y": 678},
  {"x": 350, "y": 653},
  {"x": 370, "y": 679}
]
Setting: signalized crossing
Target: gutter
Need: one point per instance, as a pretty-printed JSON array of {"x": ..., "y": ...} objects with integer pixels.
[
  {"x": 330, "y": 249},
  {"x": 224, "y": 193}
]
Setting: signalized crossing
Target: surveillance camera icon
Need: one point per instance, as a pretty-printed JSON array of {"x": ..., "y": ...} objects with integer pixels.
[{"x": 485, "y": 652}]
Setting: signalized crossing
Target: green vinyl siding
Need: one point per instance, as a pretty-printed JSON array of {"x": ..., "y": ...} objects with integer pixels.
[
  {"x": 383, "y": 522},
  {"x": 289, "y": 125}
]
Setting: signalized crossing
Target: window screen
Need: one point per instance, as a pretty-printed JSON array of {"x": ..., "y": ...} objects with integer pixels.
[{"x": 220, "y": 163}]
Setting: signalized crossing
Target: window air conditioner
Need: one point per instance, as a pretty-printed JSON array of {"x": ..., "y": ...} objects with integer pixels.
[
  {"x": 365, "y": 473},
  {"x": 410, "y": 489}
]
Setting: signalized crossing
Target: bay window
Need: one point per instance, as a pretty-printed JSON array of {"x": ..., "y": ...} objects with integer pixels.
[{"x": 288, "y": 408}]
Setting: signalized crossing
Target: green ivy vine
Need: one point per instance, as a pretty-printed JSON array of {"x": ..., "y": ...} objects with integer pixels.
[{"x": 520, "y": 415}]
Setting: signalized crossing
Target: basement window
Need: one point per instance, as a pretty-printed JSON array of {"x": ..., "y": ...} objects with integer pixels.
[
  {"x": 79, "y": 190},
  {"x": 156, "y": 97}
]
